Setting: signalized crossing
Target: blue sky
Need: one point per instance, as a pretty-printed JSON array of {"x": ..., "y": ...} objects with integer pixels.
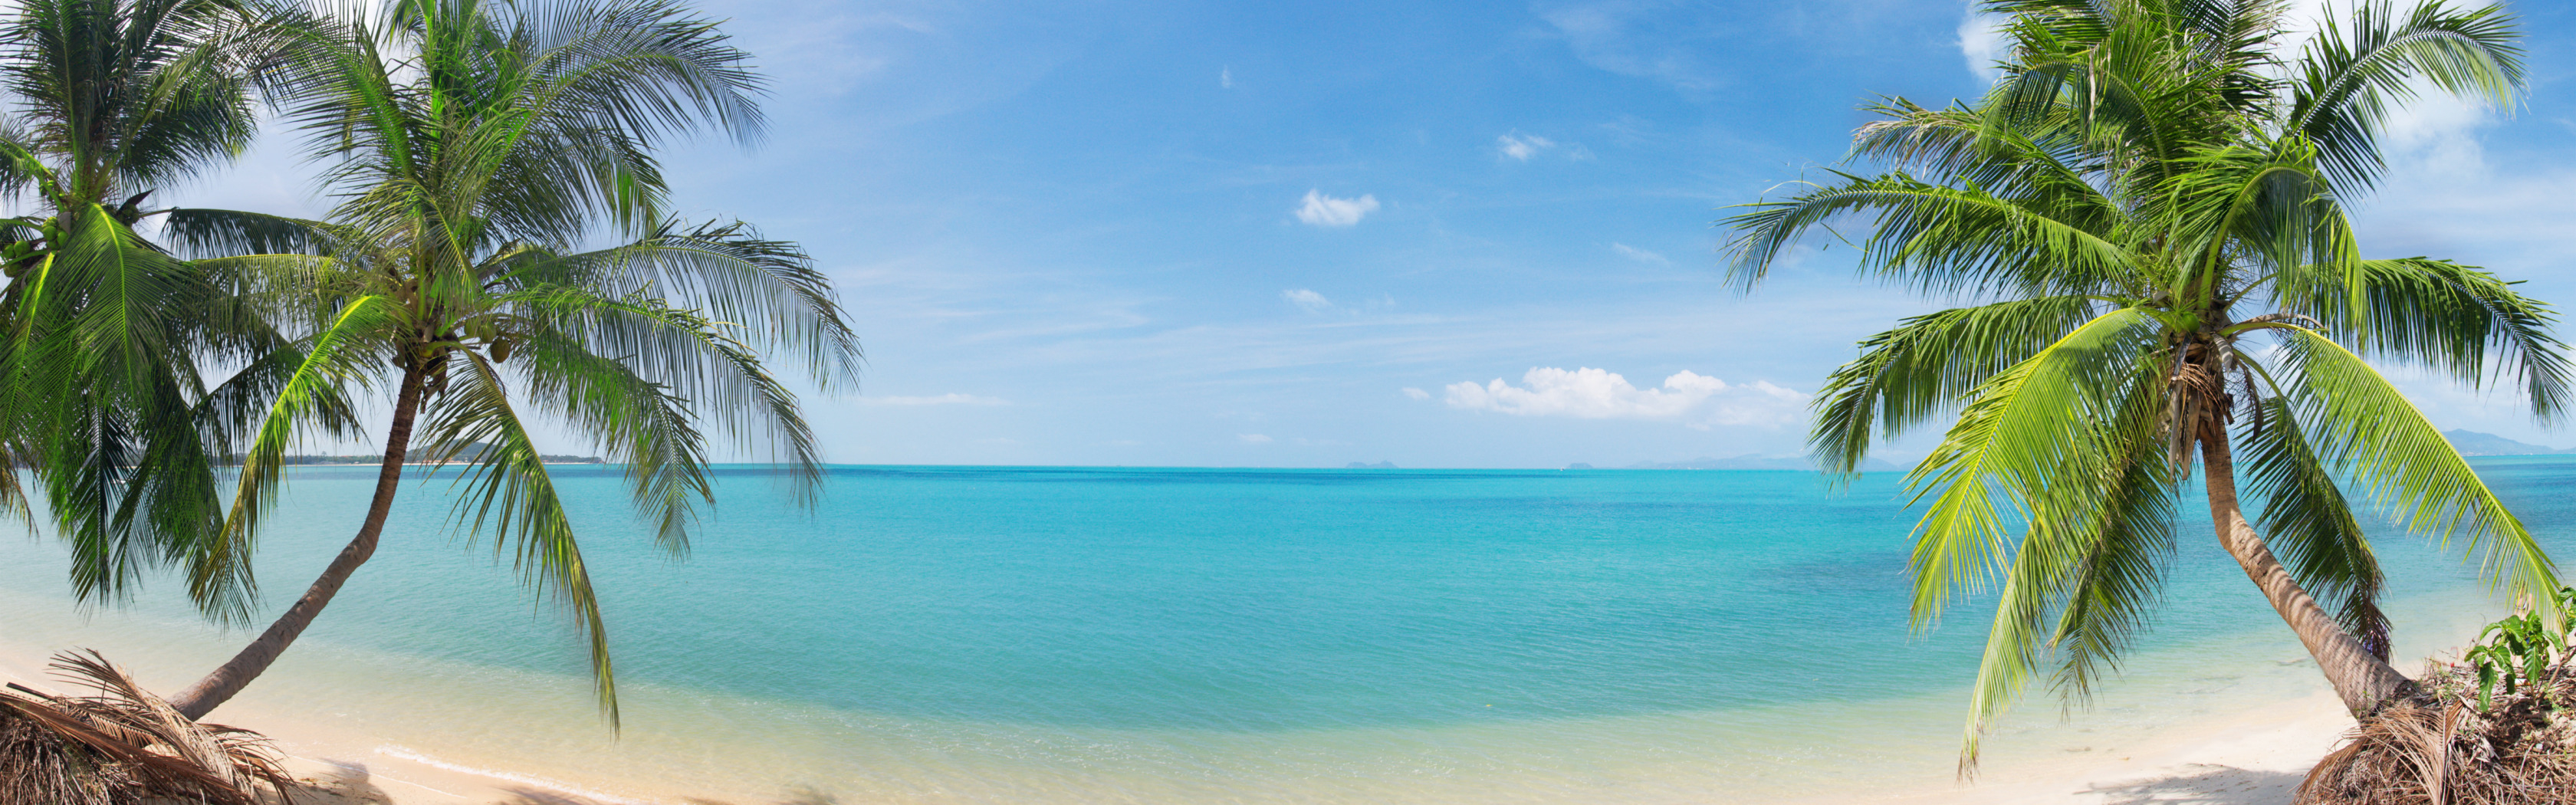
[{"x": 1227, "y": 234}]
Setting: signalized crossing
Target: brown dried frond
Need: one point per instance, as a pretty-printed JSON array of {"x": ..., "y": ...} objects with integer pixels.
[
  {"x": 123, "y": 746},
  {"x": 2437, "y": 747}
]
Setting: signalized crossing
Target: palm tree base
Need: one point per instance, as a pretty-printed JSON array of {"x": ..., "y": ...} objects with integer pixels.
[{"x": 2434, "y": 745}]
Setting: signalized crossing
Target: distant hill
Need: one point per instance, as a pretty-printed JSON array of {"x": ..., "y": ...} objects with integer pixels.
[
  {"x": 2473, "y": 443},
  {"x": 1752, "y": 461}
]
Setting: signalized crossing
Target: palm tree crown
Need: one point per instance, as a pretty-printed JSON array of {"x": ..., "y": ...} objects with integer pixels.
[
  {"x": 2150, "y": 204},
  {"x": 105, "y": 332},
  {"x": 474, "y": 147}
]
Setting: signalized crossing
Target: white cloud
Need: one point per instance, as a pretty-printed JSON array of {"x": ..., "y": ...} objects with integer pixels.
[
  {"x": 1981, "y": 40},
  {"x": 1253, "y": 438},
  {"x": 1323, "y": 210},
  {"x": 1412, "y": 393},
  {"x": 1311, "y": 301},
  {"x": 1588, "y": 393},
  {"x": 951, "y": 398},
  {"x": 1639, "y": 255},
  {"x": 1523, "y": 146},
  {"x": 1225, "y": 78}
]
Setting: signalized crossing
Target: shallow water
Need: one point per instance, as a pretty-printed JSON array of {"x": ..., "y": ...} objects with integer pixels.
[{"x": 958, "y": 634}]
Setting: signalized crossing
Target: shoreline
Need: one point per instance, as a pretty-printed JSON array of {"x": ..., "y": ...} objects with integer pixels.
[
  {"x": 2252, "y": 757},
  {"x": 2239, "y": 756},
  {"x": 2232, "y": 719}
]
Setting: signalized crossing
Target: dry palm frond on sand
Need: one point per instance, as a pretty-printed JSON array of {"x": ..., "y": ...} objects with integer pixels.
[
  {"x": 123, "y": 746},
  {"x": 2440, "y": 747}
]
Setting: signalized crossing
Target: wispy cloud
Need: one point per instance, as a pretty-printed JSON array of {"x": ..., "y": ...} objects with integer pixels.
[
  {"x": 1412, "y": 393},
  {"x": 1323, "y": 210},
  {"x": 951, "y": 398},
  {"x": 1310, "y": 301},
  {"x": 1588, "y": 393},
  {"x": 1981, "y": 40},
  {"x": 1253, "y": 438},
  {"x": 1637, "y": 39},
  {"x": 1523, "y": 146},
  {"x": 1225, "y": 78},
  {"x": 1639, "y": 255}
]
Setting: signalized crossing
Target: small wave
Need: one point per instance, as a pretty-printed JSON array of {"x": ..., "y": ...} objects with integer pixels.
[{"x": 404, "y": 753}]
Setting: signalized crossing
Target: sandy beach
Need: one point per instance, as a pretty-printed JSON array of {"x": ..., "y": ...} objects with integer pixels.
[{"x": 2253, "y": 757}]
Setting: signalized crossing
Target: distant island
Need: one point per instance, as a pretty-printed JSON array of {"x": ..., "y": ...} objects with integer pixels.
[
  {"x": 2473, "y": 443},
  {"x": 1362, "y": 465}
]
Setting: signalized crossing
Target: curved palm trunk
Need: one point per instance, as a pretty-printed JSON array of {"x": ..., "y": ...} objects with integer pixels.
[
  {"x": 2363, "y": 680},
  {"x": 219, "y": 687}
]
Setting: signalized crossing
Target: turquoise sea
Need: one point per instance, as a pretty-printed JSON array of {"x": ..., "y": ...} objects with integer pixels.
[{"x": 1017, "y": 634}]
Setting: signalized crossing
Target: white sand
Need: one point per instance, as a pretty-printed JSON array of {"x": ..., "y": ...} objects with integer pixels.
[{"x": 2256, "y": 757}]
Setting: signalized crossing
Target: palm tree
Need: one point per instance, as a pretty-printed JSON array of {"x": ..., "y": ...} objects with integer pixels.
[
  {"x": 472, "y": 146},
  {"x": 105, "y": 333},
  {"x": 2146, "y": 196}
]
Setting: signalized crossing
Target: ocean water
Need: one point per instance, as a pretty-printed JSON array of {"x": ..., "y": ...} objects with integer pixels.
[{"x": 1080, "y": 635}]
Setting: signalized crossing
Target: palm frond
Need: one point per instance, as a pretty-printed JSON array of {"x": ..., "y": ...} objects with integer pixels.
[
  {"x": 1927, "y": 365},
  {"x": 2352, "y": 75},
  {"x": 2460, "y": 320},
  {"x": 2307, "y": 520},
  {"x": 505, "y": 488},
  {"x": 2366, "y": 430},
  {"x": 731, "y": 273},
  {"x": 1944, "y": 239},
  {"x": 312, "y": 395},
  {"x": 2035, "y": 422}
]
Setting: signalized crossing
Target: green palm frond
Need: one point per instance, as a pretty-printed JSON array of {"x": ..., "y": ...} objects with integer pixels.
[
  {"x": 2306, "y": 519},
  {"x": 506, "y": 493},
  {"x": 2460, "y": 320},
  {"x": 2361, "y": 426},
  {"x": 2112, "y": 587},
  {"x": 1943, "y": 239},
  {"x": 205, "y": 233},
  {"x": 2089, "y": 554},
  {"x": 2039, "y": 421},
  {"x": 1928, "y": 365},
  {"x": 2353, "y": 73},
  {"x": 638, "y": 424},
  {"x": 312, "y": 395},
  {"x": 683, "y": 351},
  {"x": 2264, "y": 206},
  {"x": 729, "y": 272}
]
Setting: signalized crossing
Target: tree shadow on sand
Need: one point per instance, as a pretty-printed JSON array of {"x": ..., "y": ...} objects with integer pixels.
[
  {"x": 345, "y": 782},
  {"x": 2202, "y": 784}
]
